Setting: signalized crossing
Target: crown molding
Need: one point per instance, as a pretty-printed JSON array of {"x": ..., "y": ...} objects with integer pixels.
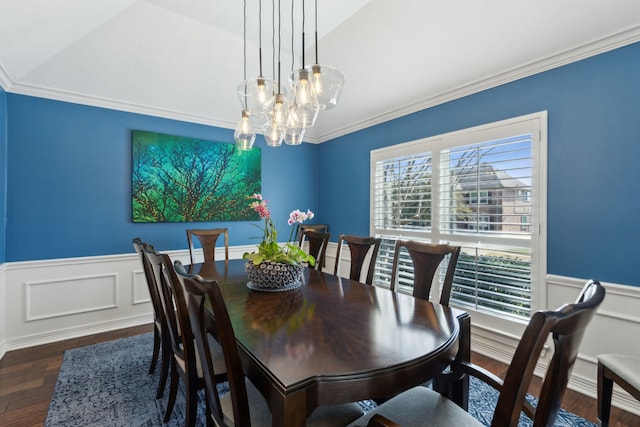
[
  {"x": 606, "y": 44},
  {"x": 5, "y": 81},
  {"x": 101, "y": 102}
]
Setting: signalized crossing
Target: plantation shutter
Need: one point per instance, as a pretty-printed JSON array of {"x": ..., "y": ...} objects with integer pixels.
[{"x": 479, "y": 189}]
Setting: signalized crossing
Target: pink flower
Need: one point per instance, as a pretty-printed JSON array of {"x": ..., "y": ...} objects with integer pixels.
[
  {"x": 299, "y": 217},
  {"x": 260, "y": 206}
]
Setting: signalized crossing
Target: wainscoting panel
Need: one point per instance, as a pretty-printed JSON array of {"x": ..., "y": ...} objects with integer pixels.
[
  {"x": 47, "y": 299},
  {"x": 140, "y": 294}
]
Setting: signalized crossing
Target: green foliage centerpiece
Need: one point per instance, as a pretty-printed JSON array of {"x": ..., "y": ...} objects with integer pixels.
[{"x": 274, "y": 267}]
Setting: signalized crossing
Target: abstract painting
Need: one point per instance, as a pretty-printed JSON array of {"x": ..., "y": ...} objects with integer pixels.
[{"x": 179, "y": 179}]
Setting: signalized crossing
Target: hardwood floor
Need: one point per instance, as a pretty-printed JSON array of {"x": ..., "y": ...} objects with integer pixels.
[{"x": 28, "y": 377}]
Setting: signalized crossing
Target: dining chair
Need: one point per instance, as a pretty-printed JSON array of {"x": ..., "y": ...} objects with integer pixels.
[
  {"x": 566, "y": 325},
  {"x": 426, "y": 259},
  {"x": 622, "y": 369},
  {"x": 160, "y": 331},
  {"x": 310, "y": 227},
  {"x": 318, "y": 242},
  {"x": 360, "y": 248},
  {"x": 208, "y": 239},
  {"x": 244, "y": 405},
  {"x": 185, "y": 363}
]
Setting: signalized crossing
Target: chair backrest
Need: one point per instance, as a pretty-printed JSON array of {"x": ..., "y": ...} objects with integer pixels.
[
  {"x": 426, "y": 259},
  {"x": 566, "y": 326},
  {"x": 208, "y": 239},
  {"x": 309, "y": 227},
  {"x": 199, "y": 292},
  {"x": 158, "y": 313},
  {"x": 174, "y": 308},
  {"x": 360, "y": 248},
  {"x": 318, "y": 242}
]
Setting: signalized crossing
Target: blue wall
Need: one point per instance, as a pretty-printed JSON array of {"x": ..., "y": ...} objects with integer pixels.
[
  {"x": 593, "y": 164},
  {"x": 69, "y": 181},
  {"x": 3, "y": 171},
  {"x": 68, "y": 169}
]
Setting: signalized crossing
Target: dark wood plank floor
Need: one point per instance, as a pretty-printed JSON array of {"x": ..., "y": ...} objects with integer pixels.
[{"x": 28, "y": 376}]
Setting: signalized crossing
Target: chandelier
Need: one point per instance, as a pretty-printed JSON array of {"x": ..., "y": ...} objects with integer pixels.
[{"x": 278, "y": 113}]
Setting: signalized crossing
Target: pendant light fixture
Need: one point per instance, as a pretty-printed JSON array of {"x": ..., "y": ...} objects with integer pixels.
[
  {"x": 244, "y": 135},
  {"x": 265, "y": 103},
  {"x": 276, "y": 107},
  {"x": 304, "y": 102},
  {"x": 327, "y": 81},
  {"x": 254, "y": 93},
  {"x": 273, "y": 134}
]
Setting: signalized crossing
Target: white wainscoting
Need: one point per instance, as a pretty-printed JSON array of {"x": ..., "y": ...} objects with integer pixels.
[{"x": 52, "y": 300}]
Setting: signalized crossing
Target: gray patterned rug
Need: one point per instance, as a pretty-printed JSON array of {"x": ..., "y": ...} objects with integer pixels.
[{"x": 107, "y": 385}]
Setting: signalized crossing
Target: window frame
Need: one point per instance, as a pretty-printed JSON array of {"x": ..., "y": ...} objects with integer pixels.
[{"x": 536, "y": 125}]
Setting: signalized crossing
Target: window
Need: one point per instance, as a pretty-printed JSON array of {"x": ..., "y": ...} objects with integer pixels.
[
  {"x": 482, "y": 189},
  {"x": 483, "y": 200}
]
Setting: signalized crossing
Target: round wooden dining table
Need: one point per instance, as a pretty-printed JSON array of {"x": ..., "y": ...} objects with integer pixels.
[{"x": 332, "y": 340}]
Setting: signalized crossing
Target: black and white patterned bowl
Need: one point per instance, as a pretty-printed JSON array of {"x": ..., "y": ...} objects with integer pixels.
[{"x": 273, "y": 276}]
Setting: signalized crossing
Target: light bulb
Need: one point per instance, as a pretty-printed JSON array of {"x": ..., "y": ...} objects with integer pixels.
[
  {"x": 262, "y": 91},
  {"x": 276, "y": 110},
  {"x": 244, "y": 134},
  {"x": 317, "y": 79},
  {"x": 303, "y": 93},
  {"x": 304, "y": 100}
]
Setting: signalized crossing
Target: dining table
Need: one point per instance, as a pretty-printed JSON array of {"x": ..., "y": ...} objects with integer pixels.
[{"x": 334, "y": 340}]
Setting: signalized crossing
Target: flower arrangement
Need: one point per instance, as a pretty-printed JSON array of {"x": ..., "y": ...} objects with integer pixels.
[{"x": 269, "y": 249}]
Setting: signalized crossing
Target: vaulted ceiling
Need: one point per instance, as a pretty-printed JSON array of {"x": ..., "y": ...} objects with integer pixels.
[{"x": 184, "y": 59}]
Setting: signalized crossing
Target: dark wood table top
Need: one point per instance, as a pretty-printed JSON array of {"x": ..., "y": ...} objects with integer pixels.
[{"x": 332, "y": 340}]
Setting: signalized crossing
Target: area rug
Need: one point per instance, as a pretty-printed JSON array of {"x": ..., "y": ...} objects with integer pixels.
[{"x": 107, "y": 385}]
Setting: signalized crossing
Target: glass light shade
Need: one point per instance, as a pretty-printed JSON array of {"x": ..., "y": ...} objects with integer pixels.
[
  {"x": 254, "y": 94},
  {"x": 303, "y": 101},
  {"x": 276, "y": 110},
  {"x": 294, "y": 135},
  {"x": 244, "y": 134},
  {"x": 302, "y": 116},
  {"x": 272, "y": 134},
  {"x": 327, "y": 83},
  {"x": 303, "y": 93}
]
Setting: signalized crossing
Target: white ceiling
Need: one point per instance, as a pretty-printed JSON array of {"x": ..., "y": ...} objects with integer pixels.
[{"x": 184, "y": 58}]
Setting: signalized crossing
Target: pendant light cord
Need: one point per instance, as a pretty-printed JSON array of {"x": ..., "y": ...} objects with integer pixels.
[
  {"x": 273, "y": 43},
  {"x": 279, "y": 41},
  {"x": 244, "y": 38},
  {"x": 302, "y": 65},
  {"x": 293, "y": 56},
  {"x": 260, "y": 35},
  {"x": 316, "y": 16}
]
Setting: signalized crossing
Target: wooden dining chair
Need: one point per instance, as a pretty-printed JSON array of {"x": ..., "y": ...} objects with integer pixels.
[
  {"x": 324, "y": 228},
  {"x": 208, "y": 239},
  {"x": 243, "y": 405},
  {"x": 185, "y": 363},
  {"x": 421, "y": 406},
  {"x": 426, "y": 258},
  {"x": 360, "y": 248},
  {"x": 621, "y": 369},
  {"x": 160, "y": 331},
  {"x": 318, "y": 242}
]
